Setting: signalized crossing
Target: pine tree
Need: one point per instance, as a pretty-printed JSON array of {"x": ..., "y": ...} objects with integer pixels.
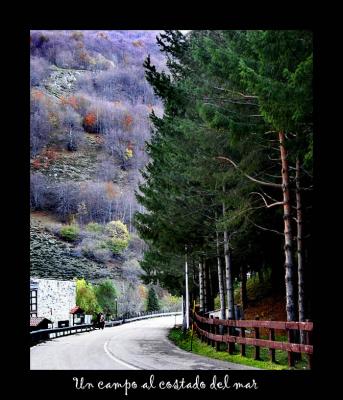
[
  {"x": 106, "y": 293},
  {"x": 224, "y": 95},
  {"x": 285, "y": 101},
  {"x": 152, "y": 301}
]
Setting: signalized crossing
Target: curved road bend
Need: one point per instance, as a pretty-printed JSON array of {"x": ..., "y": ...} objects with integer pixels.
[{"x": 136, "y": 345}]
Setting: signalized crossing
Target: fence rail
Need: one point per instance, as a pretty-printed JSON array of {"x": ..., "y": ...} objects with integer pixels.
[{"x": 216, "y": 331}]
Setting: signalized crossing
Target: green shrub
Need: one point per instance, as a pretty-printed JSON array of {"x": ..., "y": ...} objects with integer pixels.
[
  {"x": 116, "y": 245},
  {"x": 106, "y": 295},
  {"x": 94, "y": 227},
  {"x": 69, "y": 232},
  {"x": 86, "y": 297},
  {"x": 170, "y": 303},
  {"x": 119, "y": 236}
]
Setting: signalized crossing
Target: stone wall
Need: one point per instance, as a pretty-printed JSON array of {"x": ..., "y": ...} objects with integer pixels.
[{"x": 55, "y": 298}]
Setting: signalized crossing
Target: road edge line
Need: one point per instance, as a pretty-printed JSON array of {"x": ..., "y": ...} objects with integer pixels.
[{"x": 107, "y": 351}]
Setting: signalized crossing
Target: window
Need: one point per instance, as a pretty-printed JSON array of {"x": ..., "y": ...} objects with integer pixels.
[{"x": 33, "y": 303}]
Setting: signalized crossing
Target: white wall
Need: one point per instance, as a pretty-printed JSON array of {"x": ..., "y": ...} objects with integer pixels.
[{"x": 55, "y": 298}]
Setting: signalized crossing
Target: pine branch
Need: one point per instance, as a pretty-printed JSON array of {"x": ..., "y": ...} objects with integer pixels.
[
  {"x": 277, "y": 203},
  {"x": 273, "y": 159},
  {"x": 269, "y": 197},
  {"x": 266, "y": 229},
  {"x": 248, "y": 176}
]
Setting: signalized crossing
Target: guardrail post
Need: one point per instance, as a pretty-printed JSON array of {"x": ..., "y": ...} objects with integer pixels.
[
  {"x": 212, "y": 330},
  {"x": 309, "y": 342},
  {"x": 209, "y": 330},
  {"x": 272, "y": 351},
  {"x": 257, "y": 336},
  {"x": 231, "y": 345},
  {"x": 199, "y": 326},
  {"x": 242, "y": 335},
  {"x": 216, "y": 331},
  {"x": 290, "y": 335}
]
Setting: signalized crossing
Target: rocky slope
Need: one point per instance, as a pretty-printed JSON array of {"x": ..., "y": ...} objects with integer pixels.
[{"x": 52, "y": 258}]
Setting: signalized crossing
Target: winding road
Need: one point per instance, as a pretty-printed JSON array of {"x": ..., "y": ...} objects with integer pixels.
[{"x": 139, "y": 345}]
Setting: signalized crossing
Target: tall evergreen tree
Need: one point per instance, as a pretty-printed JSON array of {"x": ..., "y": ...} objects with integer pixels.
[
  {"x": 224, "y": 95},
  {"x": 152, "y": 301}
]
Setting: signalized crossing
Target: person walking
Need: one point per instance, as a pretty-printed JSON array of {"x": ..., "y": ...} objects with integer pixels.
[{"x": 102, "y": 321}]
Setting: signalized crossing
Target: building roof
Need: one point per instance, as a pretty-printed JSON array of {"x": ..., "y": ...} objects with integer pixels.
[
  {"x": 76, "y": 310},
  {"x": 35, "y": 321}
]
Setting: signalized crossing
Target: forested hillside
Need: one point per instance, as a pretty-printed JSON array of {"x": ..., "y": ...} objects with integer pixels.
[
  {"x": 229, "y": 185},
  {"x": 90, "y": 105}
]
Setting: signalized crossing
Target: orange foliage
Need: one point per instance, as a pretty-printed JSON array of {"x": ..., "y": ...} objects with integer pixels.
[
  {"x": 90, "y": 119},
  {"x": 102, "y": 35},
  {"x": 37, "y": 94},
  {"x": 47, "y": 157},
  {"x": 110, "y": 190},
  {"x": 50, "y": 154},
  {"x": 64, "y": 100},
  {"x": 84, "y": 56},
  {"x": 71, "y": 101},
  {"x": 130, "y": 145},
  {"x": 142, "y": 292},
  {"x": 127, "y": 122},
  {"x": 37, "y": 164},
  {"x": 137, "y": 43}
]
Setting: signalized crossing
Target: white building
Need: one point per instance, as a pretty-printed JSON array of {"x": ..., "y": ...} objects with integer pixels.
[{"x": 52, "y": 299}]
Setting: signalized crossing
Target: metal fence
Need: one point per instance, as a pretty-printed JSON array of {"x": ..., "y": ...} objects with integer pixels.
[{"x": 46, "y": 334}]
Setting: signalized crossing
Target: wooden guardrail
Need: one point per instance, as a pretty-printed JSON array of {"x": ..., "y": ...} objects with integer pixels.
[{"x": 216, "y": 331}]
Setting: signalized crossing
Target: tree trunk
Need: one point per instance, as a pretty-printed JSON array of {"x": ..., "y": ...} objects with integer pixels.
[
  {"x": 187, "y": 290},
  {"x": 228, "y": 271},
  {"x": 220, "y": 281},
  {"x": 201, "y": 287},
  {"x": 289, "y": 265},
  {"x": 244, "y": 296},
  {"x": 210, "y": 297},
  {"x": 204, "y": 266},
  {"x": 301, "y": 283}
]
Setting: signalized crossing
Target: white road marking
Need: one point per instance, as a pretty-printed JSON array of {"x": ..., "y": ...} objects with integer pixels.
[{"x": 117, "y": 359}]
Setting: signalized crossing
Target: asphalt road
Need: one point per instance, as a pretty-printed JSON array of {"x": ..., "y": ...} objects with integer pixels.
[{"x": 136, "y": 345}]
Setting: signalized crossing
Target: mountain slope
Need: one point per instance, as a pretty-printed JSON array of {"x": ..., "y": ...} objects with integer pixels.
[{"x": 89, "y": 121}]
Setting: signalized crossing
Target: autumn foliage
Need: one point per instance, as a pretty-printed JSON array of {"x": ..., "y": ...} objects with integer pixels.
[
  {"x": 127, "y": 121},
  {"x": 37, "y": 164},
  {"x": 90, "y": 123},
  {"x": 45, "y": 159},
  {"x": 137, "y": 43},
  {"x": 71, "y": 101},
  {"x": 37, "y": 95},
  {"x": 111, "y": 191},
  {"x": 102, "y": 35}
]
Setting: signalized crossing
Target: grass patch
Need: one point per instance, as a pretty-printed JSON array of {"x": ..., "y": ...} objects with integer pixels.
[{"x": 183, "y": 340}]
